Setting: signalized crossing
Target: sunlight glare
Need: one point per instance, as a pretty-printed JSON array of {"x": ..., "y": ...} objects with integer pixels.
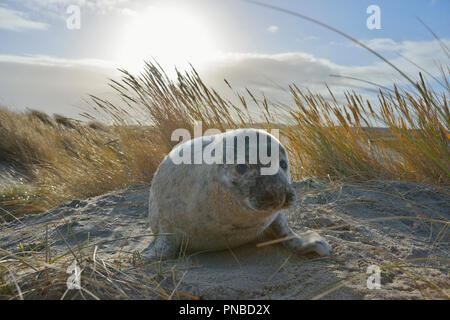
[{"x": 172, "y": 36}]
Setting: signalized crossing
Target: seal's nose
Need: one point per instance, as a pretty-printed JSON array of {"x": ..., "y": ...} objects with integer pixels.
[
  {"x": 273, "y": 192},
  {"x": 290, "y": 197},
  {"x": 276, "y": 200},
  {"x": 281, "y": 200}
]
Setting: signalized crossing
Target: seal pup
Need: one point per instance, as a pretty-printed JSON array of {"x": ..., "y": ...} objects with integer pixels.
[{"x": 222, "y": 191}]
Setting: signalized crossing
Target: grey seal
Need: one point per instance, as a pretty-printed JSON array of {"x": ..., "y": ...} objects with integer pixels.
[{"x": 214, "y": 205}]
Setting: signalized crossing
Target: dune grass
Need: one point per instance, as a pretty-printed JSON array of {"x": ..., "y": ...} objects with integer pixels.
[
  {"x": 64, "y": 159},
  {"x": 27, "y": 274},
  {"x": 343, "y": 141},
  {"x": 403, "y": 136}
]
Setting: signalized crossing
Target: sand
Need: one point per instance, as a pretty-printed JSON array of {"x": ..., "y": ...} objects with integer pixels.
[{"x": 400, "y": 227}]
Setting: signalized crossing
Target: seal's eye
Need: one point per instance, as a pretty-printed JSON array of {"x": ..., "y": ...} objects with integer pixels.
[
  {"x": 283, "y": 164},
  {"x": 241, "y": 168}
]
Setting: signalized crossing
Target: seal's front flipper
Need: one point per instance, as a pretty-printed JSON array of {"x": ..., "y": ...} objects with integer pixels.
[
  {"x": 311, "y": 243},
  {"x": 162, "y": 248}
]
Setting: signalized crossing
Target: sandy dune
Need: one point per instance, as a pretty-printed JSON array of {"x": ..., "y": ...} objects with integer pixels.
[{"x": 361, "y": 222}]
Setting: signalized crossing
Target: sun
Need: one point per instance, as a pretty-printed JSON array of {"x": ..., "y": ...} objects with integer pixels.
[{"x": 173, "y": 36}]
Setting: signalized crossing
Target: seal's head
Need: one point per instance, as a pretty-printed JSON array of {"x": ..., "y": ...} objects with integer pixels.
[{"x": 261, "y": 179}]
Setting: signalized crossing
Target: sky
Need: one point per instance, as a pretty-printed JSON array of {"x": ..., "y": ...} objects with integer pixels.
[{"x": 49, "y": 62}]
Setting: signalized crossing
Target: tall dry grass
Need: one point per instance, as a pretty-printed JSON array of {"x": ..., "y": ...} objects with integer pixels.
[
  {"x": 65, "y": 159},
  {"x": 410, "y": 117},
  {"x": 324, "y": 137},
  {"x": 345, "y": 141}
]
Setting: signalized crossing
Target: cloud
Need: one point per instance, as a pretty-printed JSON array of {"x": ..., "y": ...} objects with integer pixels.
[
  {"x": 309, "y": 38},
  {"x": 58, "y": 85},
  {"x": 273, "y": 73},
  {"x": 50, "y": 84},
  {"x": 273, "y": 29},
  {"x": 16, "y": 21},
  {"x": 122, "y": 7},
  {"x": 41, "y": 60},
  {"x": 384, "y": 44}
]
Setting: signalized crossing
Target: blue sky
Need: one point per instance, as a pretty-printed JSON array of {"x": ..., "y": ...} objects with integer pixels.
[{"x": 46, "y": 66}]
